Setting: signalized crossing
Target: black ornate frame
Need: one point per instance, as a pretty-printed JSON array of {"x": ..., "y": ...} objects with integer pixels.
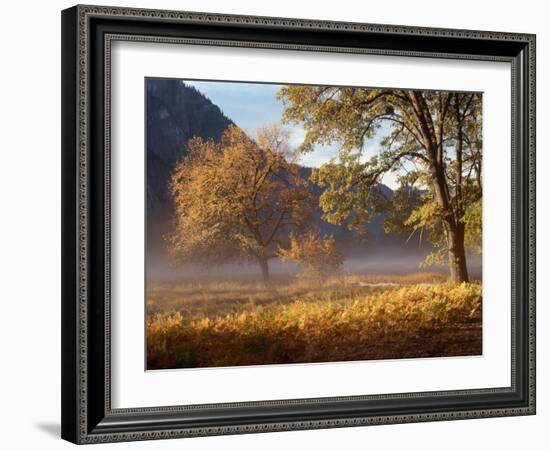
[{"x": 87, "y": 33}]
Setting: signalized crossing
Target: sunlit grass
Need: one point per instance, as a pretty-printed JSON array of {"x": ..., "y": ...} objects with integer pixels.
[{"x": 349, "y": 318}]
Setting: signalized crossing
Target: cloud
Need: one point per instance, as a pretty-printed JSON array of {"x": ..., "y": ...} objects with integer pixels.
[
  {"x": 320, "y": 155},
  {"x": 296, "y": 136}
]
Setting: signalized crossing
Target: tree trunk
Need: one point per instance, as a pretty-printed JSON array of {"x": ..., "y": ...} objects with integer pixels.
[
  {"x": 454, "y": 229},
  {"x": 265, "y": 269},
  {"x": 457, "y": 253},
  {"x": 455, "y": 237}
]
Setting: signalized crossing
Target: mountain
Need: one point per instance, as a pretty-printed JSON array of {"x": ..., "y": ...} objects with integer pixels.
[
  {"x": 373, "y": 235},
  {"x": 175, "y": 113}
]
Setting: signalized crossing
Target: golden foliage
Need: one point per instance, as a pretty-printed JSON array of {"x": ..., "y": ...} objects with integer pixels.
[
  {"x": 428, "y": 217},
  {"x": 473, "y": 221},
  {"x": 318, "y": 256},
  {"x": 237, "y": 198},
  {"x": 419, "y": 320}
]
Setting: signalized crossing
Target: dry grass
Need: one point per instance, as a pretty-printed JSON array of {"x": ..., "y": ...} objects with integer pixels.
[
  {"x": 208, "y": 298},
  {"x": 350, "y": 318}
]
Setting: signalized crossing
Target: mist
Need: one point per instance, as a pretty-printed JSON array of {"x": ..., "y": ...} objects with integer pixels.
[{"x": 380, "y": 261}]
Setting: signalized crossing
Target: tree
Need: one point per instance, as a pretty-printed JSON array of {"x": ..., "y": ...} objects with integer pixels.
[
  {"x": 237, "y": 198},
  {"x": 432, "y": 140},
  {"x": 318, "y": 256}
]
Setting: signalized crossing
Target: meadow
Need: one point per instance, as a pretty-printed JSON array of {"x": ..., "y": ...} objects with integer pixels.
[{"x": 216, "y": 323}]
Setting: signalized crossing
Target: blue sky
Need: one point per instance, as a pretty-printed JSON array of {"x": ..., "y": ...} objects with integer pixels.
[{"x": 252, "y": 105}]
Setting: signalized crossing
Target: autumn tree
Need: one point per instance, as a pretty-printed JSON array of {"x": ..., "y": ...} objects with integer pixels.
[
  {"x": 237, "y": 198},
  {"x": 431, "y": 140},
  {"x": 317, "y": 255}
]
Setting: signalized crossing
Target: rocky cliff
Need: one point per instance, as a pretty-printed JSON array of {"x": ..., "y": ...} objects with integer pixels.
[{"x": 175, "y": 113}]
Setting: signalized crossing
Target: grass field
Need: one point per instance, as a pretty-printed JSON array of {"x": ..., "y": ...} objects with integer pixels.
[{"x": 217, "y": 323}]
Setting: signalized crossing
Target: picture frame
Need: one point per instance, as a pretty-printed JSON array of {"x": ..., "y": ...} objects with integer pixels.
[{"x": 87, "y": 413}]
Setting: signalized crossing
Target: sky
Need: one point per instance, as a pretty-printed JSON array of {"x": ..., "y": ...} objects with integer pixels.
[{"x": 252, "y": 105}]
